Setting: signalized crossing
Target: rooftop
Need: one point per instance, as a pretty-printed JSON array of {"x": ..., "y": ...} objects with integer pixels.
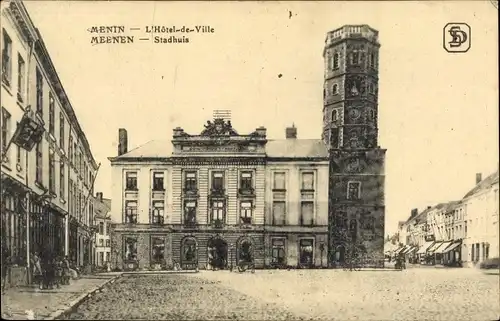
[
  {"x": 275, "y": 148},
  {"x": 483, "y": 185}
]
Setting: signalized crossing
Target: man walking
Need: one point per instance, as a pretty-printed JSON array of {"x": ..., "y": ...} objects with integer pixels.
[{"x": 5, "y": 264}]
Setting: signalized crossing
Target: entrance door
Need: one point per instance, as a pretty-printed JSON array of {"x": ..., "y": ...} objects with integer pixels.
[
  {"x": 306, "y": 252},
  {"x": 245, "y": 252},
  {"x": 339, "y": 255},
  {"x": 217, "y": 253}
]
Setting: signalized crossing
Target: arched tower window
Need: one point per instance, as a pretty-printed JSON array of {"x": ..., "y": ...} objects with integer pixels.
[
  {"x": 335, "y": 60},
  {"x": 335, "y": 115},
  {"x": 335, "y": 89}
]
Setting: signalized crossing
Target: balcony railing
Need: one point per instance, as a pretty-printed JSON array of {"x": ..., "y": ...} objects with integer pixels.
[
  {"x": 218, "y": 223},
  {"x": 246, "y": 191},
  {"x": 217, "y": 191},
  {"x": 245, "y": 220},
  {"x": 190, "y": 191},
  {"x": 190, "y": 223},
  {"x": 158, "y": 220},
  {"x": 131, "y": 219}
]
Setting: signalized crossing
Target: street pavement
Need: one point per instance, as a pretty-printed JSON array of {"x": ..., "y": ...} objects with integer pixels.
[
  {"x": 29, "y": 302},
  {"x": 413, "y": 294}
]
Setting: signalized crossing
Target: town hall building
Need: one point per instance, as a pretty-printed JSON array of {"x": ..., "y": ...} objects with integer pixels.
[{"x": 219, "y": 197}]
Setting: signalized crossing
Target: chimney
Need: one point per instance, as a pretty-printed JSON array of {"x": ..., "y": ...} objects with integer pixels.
[
  {"x": 479, "y": 178},
  {"x": 429, "y": 207},
  {"x": 291, "y": 132},
  {"x": 99, "y": 196},
  {"x": 414, "y": 212},
  {"x": 261, "y": 131},
  {"x": 122, "y": 141}
]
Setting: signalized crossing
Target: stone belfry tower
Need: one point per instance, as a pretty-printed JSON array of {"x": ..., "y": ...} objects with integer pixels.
[{"x": 350, "y": 130}]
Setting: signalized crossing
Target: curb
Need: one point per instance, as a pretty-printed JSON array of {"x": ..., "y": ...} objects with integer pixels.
[{"x": 75, "y": 303}]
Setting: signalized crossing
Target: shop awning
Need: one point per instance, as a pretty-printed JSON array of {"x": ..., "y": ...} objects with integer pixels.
[
  {"x": 413, "y": 249},
  {"x": 400, "y": 250},
  {"x": 434, "y": 247},
  {"x": 452, "y": 247},
  {"x": 408, "y": 249},
  {"x": 443, "y": 246},
  {"x": 424, "y": 247}
]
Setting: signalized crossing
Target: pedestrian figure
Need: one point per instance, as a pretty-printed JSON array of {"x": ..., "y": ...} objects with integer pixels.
[
  {"x": 37, "y": 271},
  {"x": 49, "y": 270},
  {"x": 58, "y": 265},
  {"x": 5, "y": 265}
]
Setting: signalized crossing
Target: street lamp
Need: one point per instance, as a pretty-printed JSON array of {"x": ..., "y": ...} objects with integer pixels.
[
  {"x": 321, "y": 249},
  {"x": 231, "y": 257}
]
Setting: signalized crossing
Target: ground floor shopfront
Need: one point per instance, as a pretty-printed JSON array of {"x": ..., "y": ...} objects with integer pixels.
[
  {"x": 448, "y": 253},
  {"x": 80, "y": 243},
  {"x": 156, "y": 248},
  {"x": 31, "y": 224},
  {"x": 14, "y": 228},
  {"x": 477, "y": 250}
]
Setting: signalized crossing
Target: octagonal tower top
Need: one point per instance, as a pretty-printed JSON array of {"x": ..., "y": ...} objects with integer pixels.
[{"x": 351, "y": 32}]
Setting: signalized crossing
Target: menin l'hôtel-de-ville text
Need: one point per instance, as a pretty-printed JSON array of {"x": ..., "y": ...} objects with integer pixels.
[{"x": 183, "y": 29}]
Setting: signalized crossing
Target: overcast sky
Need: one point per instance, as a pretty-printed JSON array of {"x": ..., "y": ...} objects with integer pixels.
[{"x": 438, "y": 112}]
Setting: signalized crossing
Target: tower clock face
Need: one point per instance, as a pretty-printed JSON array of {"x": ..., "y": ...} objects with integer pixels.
[{"x": 354, "y": 113}]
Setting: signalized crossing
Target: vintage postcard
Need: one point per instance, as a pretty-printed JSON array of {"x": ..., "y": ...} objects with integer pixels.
[{"x": 251, "y": 160}]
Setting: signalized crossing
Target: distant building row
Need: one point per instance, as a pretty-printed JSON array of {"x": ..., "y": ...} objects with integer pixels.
[{"x": 460, "y": 233}]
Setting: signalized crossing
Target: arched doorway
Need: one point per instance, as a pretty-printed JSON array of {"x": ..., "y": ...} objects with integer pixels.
[
  {"x": 339, "y": 256},
  {"x": 217, "y": 253},
  {"x": 189, "y": 253},
  {"x": 244, "y": 251}
]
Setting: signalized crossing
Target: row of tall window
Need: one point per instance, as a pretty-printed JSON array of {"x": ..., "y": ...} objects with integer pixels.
[
  {"x": 355, "y": 57},
  {"x": 335, "y": 89},
  {"x": 7, "y": 68},
  {"x": 335, "y": 115},
  {"x": 307, "y": 199},
  {"x": 78, "y": 203},
  {"x": 7, "y": 81},
  {"x": 189, "y": 250},
  {"x": 101, "y": 243},
  {"x": 217, "y": 212},
  {"x": 190, "y": 181}
]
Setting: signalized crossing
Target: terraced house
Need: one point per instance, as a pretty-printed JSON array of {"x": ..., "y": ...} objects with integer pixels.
[
  {"x": 47, "y": 167},
  {"x": 215, "y": 199}
]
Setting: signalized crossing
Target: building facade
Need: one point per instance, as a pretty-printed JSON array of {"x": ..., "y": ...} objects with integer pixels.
[
  {"x": 458, "y": 233},
  {"x": 102, "y": 220},
  {"x": 219, "y": 198},
  {"x": 350, "y": 132},
  {"x": 481, "y": 215},
  {"x": 44, "y": 189}
]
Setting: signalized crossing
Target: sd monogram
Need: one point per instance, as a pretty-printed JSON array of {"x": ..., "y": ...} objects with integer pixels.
[{"x": 456, "y": 37}]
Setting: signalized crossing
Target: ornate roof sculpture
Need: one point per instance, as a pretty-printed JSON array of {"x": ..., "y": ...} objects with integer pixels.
[
  {"x": 219, "y": 137},
  {"x": 219, "y": 127}
]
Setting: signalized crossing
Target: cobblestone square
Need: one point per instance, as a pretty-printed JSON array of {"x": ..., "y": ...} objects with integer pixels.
[{"x": 413, "y": 294}]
